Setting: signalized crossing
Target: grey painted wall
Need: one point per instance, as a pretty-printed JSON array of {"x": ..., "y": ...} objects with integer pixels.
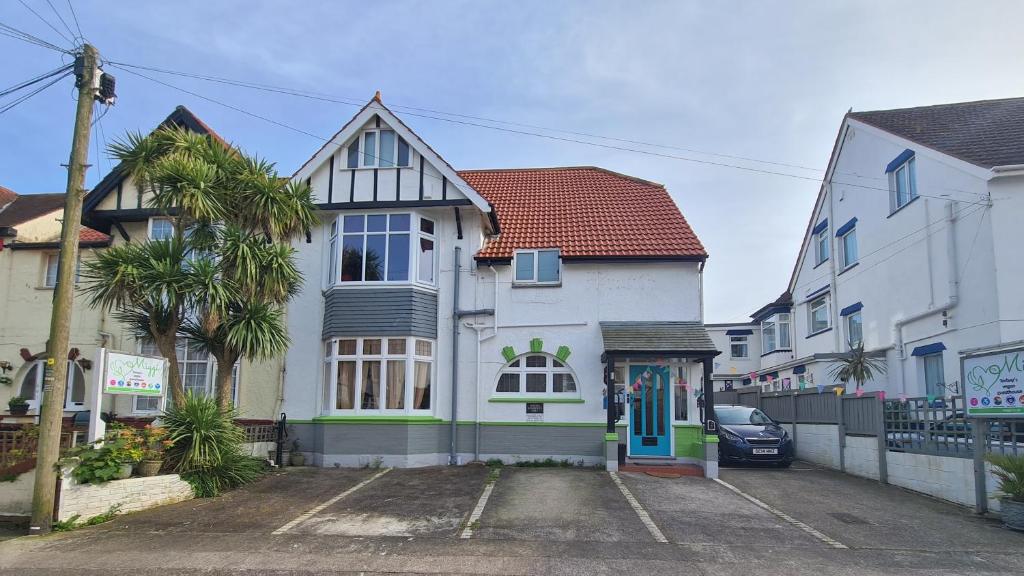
[
  {"x": 404, "y": 311},
  {"x": 396, "y": 439}
]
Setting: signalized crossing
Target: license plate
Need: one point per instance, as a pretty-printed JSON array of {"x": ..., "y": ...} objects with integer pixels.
[{"x": 766, "y": 450}]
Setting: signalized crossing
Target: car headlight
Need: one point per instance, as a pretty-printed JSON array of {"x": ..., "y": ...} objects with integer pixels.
[{"x": 731, "y": 435}]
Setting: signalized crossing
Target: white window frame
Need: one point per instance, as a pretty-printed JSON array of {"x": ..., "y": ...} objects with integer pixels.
[
  {"x": 739, "y": 341},
  {"x": 210, "y": 378},
  {"x": 940, "y": 386},
  {"x": 907, "y": 172},
  {"x": 818, "y": 302},
  {"x": 821, "y": 247},
  {"x": 330, "y": 363},
  {"x": 533, "y": 280},
  {"x": 769, "y": 340},
  {"x": 360, "y": 144},
  {"x": 69, "y": 406},
  {"x": 335, "y": 247},
  {"x": 54, "y": 257},
  {"x": 518, "y": 366},
  {"x": 776, "y": 327},
  {"x": 150, "y": 225},
  {"x": 848, "y": 321},
  {"x": 852, "y": 232}
]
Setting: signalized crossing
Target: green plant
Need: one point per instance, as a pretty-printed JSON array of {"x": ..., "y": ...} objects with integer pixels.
[
  {"x": 206, "y": 446},
  {"x": 1009, "y": 471},
  {"x": 857, "y": 365},
  {"x": 155, "y": 442},
  {"x": 17, "y": 402},
  {"x": 101, "y": 462},
  {"x": 72, "y": 522}
]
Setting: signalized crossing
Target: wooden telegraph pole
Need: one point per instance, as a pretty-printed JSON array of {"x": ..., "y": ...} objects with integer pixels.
[{"x": 56, "y": 373}]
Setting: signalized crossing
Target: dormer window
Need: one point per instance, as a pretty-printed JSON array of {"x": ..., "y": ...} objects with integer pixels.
[
  {"x": 379, "y": 149},
  {"x": 538, "y": 267}
]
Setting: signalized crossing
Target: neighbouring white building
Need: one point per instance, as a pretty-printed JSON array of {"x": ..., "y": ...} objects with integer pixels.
[
  {"x": 740, "y": 347},
  {"x": 912, "y": 248},
  {"x": 450, "y": 316}
]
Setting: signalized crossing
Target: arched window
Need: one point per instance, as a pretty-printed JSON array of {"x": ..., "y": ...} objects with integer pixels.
[
  {"x": 32, "y": 386},
  {"x": 537, "y": 374}
]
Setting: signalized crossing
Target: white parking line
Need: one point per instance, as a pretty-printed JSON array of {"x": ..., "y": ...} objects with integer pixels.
[
  {"x": 786, "y": 517},
  {"x": 319, "y": 507},
  {"x": 478, "y": 511},
  {"x": 644, "y": 516}
]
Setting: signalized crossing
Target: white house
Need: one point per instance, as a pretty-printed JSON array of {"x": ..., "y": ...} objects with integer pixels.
[
  {"x": 912, "y": 248},
  {"x": 450, "y": 316},
  {"x": 740, "y": 346}
]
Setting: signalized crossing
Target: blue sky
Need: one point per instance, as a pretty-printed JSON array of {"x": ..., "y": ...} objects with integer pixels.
[{"x": 765, "y": 80}]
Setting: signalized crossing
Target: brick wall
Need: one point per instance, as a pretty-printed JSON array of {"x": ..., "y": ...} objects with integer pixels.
[{"x": 88, "y": 500}]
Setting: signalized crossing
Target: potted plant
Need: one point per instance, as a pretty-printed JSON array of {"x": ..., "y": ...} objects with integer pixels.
[
  {"x": 154, "y": 442},
  {"x": 1009, "y": 471},
  {"x": 18, "y": 406},
  {"x": 297, "y": 458},
  {"x": 126, "y": 448}
]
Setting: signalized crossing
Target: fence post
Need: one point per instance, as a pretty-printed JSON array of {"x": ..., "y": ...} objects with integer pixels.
[
  {"x": 792, "y": 411},
  {"x": 841, "y": 428},
  {"x": 883, "y": 446},
  {"x": 980, "y": 427}
]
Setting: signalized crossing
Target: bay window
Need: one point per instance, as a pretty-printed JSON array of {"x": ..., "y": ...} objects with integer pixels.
[
  {"x": 775, "y": 333},
  {"x": 379, "y": 248},
  {"x": 378, "y": 375}
]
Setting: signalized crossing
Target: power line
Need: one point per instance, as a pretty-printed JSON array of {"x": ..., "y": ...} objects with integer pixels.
[
  {"x": 12, "y": 32},
  {"x": 25, "y": 97},
  {"x": 35, "y": 80},
  {"x": 45, "y": 21},
  {"x": 510, "y": 130},
  {"x": 75, "y": 17},
  {"x": 61, "y": 18}
]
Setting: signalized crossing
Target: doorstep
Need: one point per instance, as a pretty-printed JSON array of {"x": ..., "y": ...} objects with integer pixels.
[{"x": 666, "y": 470}]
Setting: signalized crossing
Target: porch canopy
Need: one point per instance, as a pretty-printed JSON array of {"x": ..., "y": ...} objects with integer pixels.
[{"x": 659, "y": 340}]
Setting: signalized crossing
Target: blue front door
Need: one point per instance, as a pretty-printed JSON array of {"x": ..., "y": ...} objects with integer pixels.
[{"x": 649, "y": 422}]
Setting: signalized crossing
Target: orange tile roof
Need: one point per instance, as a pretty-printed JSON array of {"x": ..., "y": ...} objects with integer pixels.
[
  {"x": 585, "y": 212},
  {"x": 86, "y": 234}
]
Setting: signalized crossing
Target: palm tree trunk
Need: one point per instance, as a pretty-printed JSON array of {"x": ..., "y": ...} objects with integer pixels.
[
  {"x": 225, "y": 366},
  {"x": 167, "y": 345}
]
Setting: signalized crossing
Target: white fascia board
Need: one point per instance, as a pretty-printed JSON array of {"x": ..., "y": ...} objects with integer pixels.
[{"x": 356, "y": 124}]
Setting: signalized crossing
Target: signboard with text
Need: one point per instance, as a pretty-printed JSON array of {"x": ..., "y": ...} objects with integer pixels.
[
  {"x": 994, "y": 384},
  {"x": 134, "y": 374}
]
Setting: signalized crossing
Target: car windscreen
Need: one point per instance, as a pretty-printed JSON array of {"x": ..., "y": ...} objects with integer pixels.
[{"x": 741, "y": 415}]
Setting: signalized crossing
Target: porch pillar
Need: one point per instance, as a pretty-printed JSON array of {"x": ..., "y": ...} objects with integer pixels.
[
  {"x": 710, "y": 424},
  {"x": 611, "y": 437}
]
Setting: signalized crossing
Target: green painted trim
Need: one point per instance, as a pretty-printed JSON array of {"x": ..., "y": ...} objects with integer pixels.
[
  {"x": 563, "y": 353},
  {"x": 540, "y": 400},
  {"x": 689, "y": 440},
  {"x": 711, "y": 439},
  {"x": 611, "y": 437},
  {"x": 562, "y": 424},
  {"x": 687, "y": 425},
  {"x": 536, "y": 345},
  {"x": 509, "y": 353},
  {"x": 410, "y": 420}
]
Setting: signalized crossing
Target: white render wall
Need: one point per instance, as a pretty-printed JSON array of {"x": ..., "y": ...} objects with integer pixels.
[
  {"x": 16, "y": 496},
  {"x": 133, "y": 494},
  {"x": 818, "y": 443}
]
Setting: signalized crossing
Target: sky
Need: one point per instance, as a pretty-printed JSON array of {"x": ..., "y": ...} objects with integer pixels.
[{"x": 708, "y": 83}]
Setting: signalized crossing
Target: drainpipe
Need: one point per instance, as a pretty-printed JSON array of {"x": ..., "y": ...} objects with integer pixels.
[
  {"x": 457, "y": 315},
  {"x": 954, "y": 296},
  {"x": 833, "y": 256},
  {"x": 452, "y": 457}
]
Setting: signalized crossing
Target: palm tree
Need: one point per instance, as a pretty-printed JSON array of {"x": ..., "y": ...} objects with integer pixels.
[
  {"x": 224, "y": 277},
  {"x": 857, "y": 365}
]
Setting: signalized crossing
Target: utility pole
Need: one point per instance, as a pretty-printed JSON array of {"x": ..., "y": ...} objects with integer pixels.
[{"x": 56, "y": 373}]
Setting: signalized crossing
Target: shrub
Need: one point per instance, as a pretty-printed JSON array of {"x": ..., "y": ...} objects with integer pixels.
[
  {"x": 206, "y": 447},
  {"x": 99, "y": 463},
  {"x": 1009, "y": 470}
]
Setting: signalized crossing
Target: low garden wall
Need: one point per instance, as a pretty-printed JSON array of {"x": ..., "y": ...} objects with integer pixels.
[
  {"x": 16, "y": 494},
  {"x": 130, "y": 495}
]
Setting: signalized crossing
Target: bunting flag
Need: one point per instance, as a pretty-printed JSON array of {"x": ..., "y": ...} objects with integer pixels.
[
  {"x": 931, "y": 398},
  {"x": 803, "y": 384},
  {"x": 859, "y": 392},
  {"x": 881, "y": 395},
  {"x": 838, "y": 390},
  {"x": 821, "y": 388}
]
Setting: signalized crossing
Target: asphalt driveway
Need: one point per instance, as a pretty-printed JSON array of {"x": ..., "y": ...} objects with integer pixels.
[{"x": 470, "y": 520}]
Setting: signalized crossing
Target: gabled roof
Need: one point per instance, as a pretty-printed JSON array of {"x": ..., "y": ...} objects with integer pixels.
[
  {"x": 25, "y": 207},
  {"x": 584, "y": 211},
  {"x": 375, "y": 107},
  {"x": 657, "y": 337},
  {"x": 6, "y": 196},
  {"x": 182, "y": 117},
  {"x": 986, "y": 133}
]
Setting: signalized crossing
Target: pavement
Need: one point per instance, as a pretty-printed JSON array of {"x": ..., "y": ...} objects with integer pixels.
[{"x": 469, "y": 520}]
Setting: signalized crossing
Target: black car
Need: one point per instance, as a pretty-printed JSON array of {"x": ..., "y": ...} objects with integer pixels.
[{"x": 748, "y": 436}]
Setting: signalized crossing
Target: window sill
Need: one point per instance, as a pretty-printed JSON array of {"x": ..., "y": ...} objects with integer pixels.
[
  {"x": 776, "y": 351},
  {"x": 523, "y": 400},
  {"x": 911, "y": 201},
  {"x": 825, "y": 261},
  {"x": 843, "y": 271},
  {"x": 364, "y": 285},
  {"x": 813, "y": 334},
  {"x": 377, "y": 419},
  {"x": 362, "y": 168},
  {"x": 537, "y": 284}
]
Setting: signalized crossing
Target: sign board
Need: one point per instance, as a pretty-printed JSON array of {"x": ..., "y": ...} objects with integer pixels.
[
  {"x": 134, "y": 374},
  {"x": 994, "y": 384},
  {"x": 534, "y": 412}
]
